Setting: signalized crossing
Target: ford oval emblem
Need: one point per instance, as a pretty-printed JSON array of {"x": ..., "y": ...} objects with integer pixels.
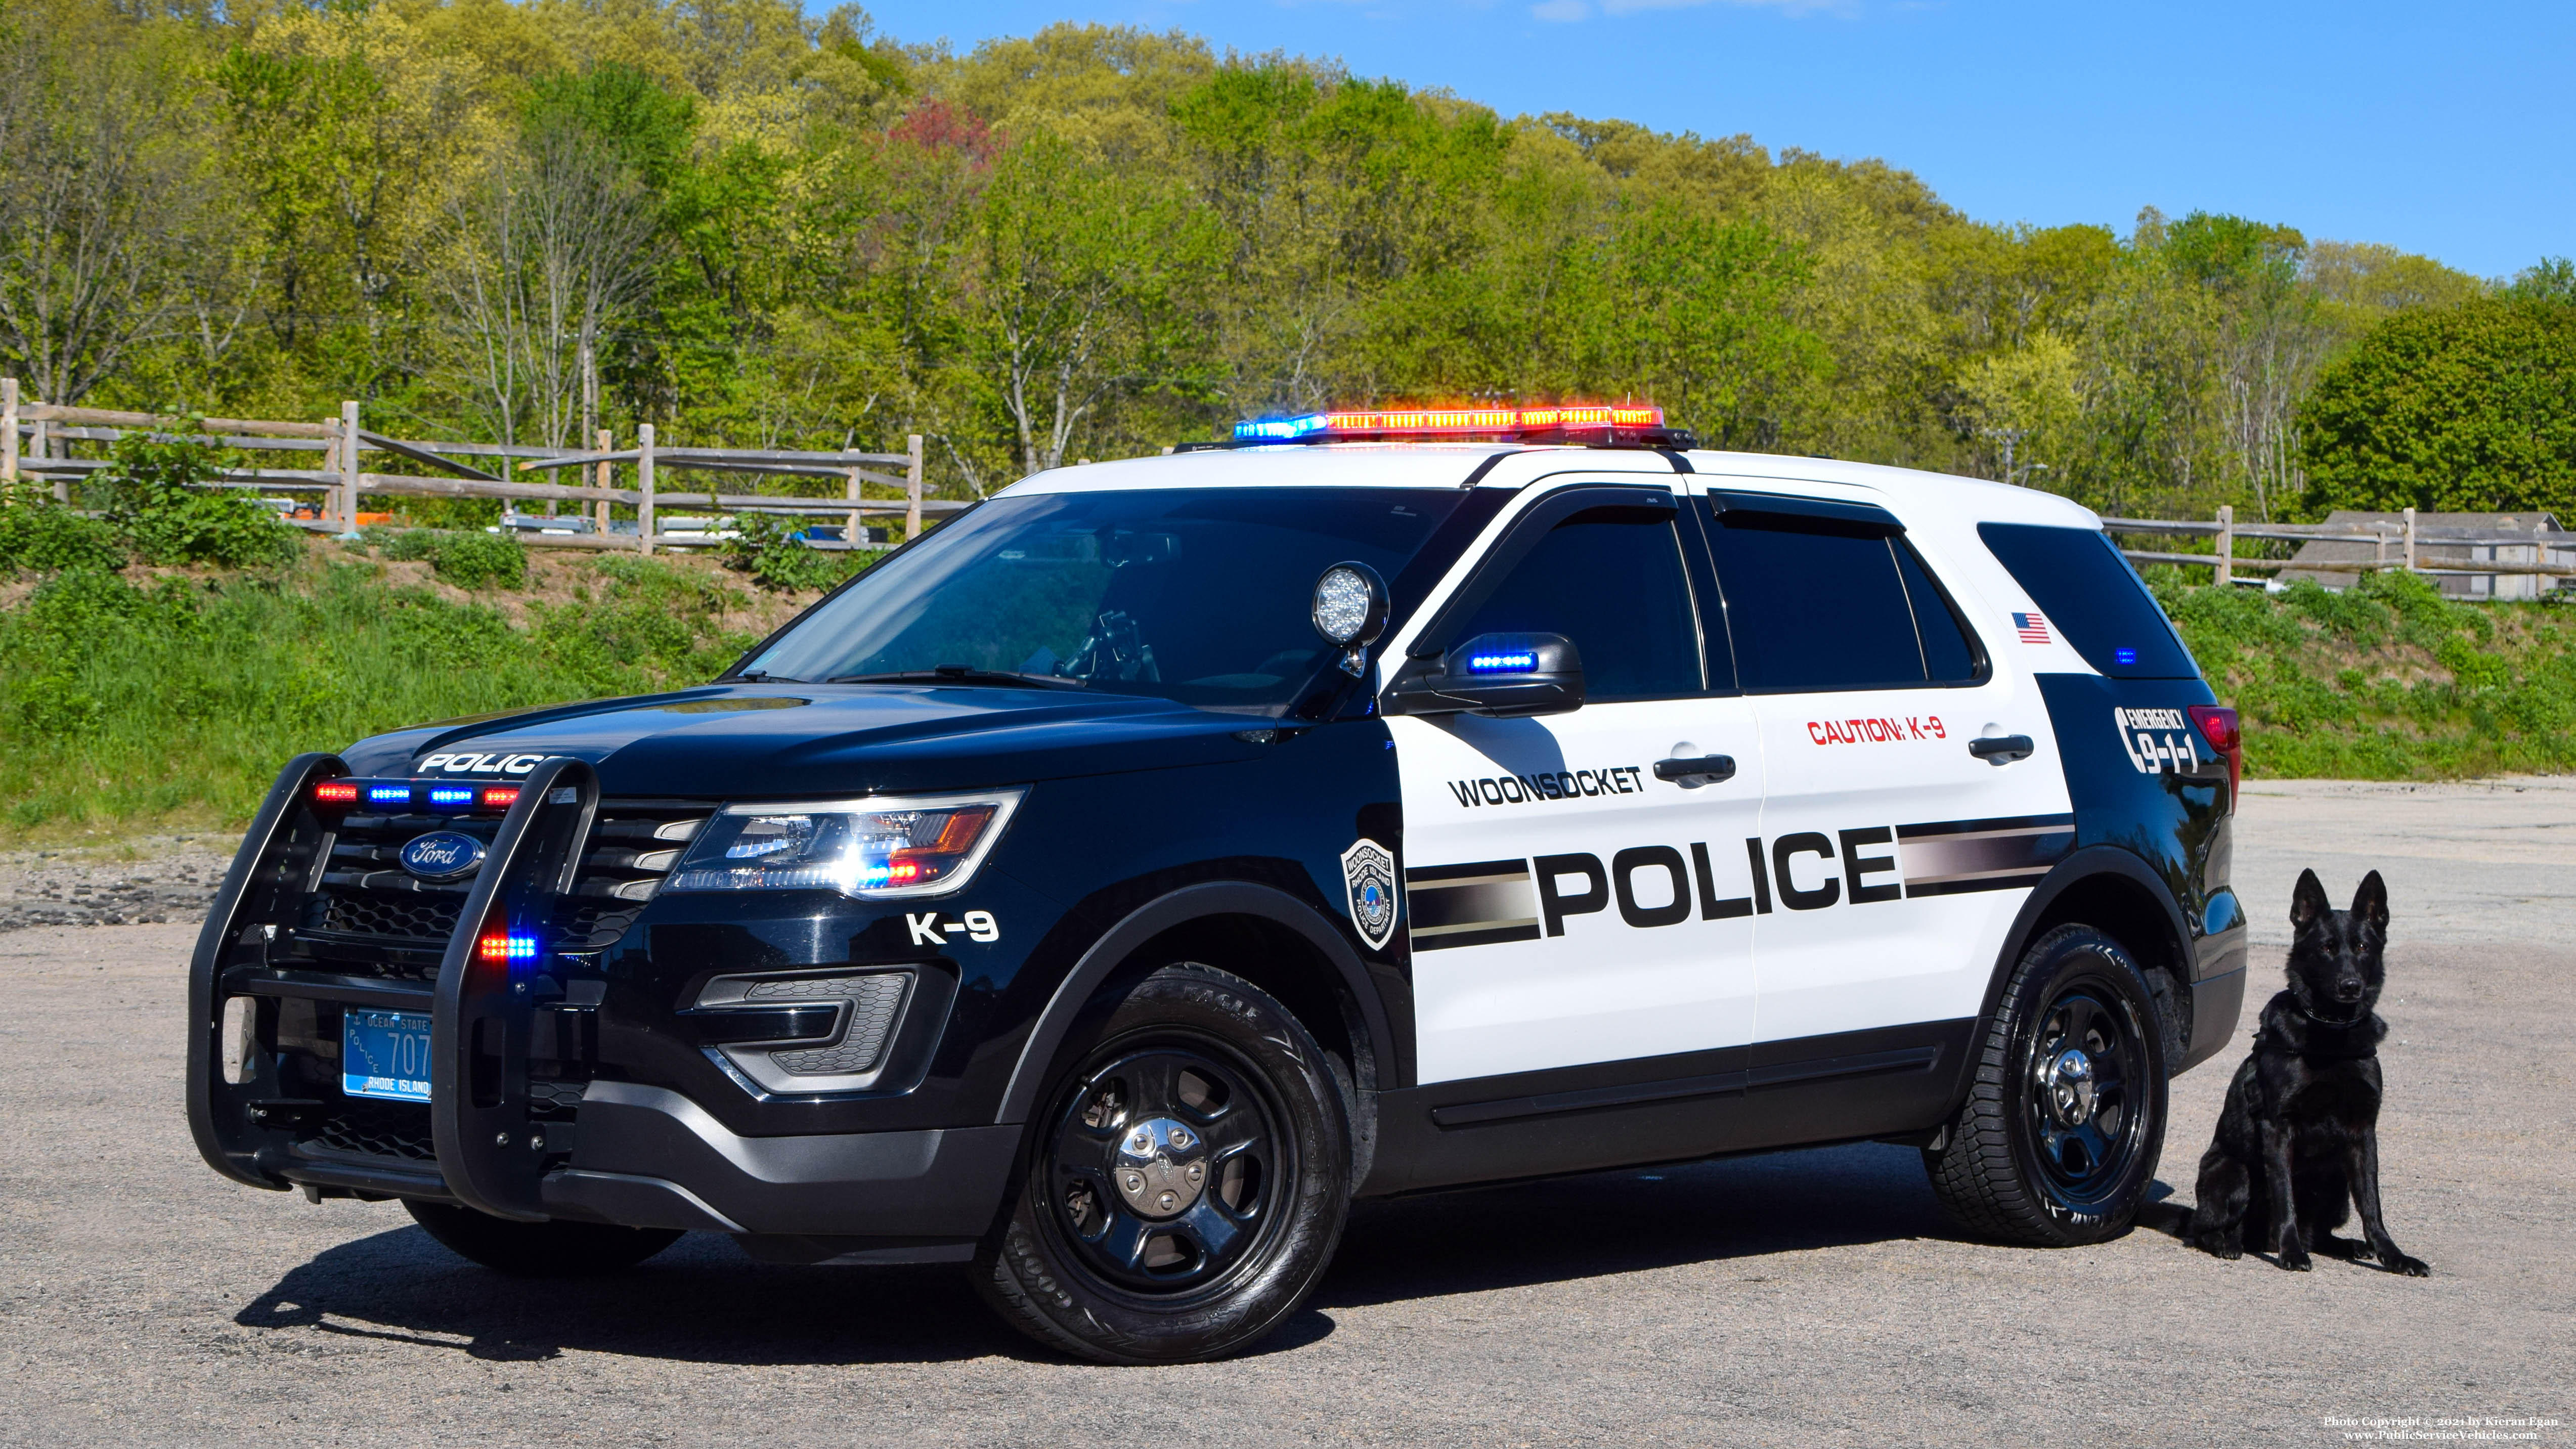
[{"x": 442, "y": 855}]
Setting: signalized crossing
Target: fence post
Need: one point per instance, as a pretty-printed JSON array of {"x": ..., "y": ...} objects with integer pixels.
[
  {"x": 853, "y": 533},
  {"x": 43, "y": 447},
  {"x": 912, "y": 490},
  {"x": 2410, "y": 540},
  {"x": 9, "y": 425},
  {"x": 2226, "y": 543},
  {"x": 349, "y": 467},
  {"x": 607, "y": 479},
  {"x": 644, "y": 485}
]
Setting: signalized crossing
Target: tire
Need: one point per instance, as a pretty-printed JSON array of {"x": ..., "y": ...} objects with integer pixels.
[
  {"x": 2057, "y": 1142},
  {"x": 553, "y": 1249},
  {"x": 1185, "y": 1184}
]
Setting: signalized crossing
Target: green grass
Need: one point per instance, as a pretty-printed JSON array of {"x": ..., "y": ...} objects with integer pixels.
[
  {"x": 2387, "y": 680},
  {"x": 128, "y": 702},
  {"x": 123, "y": 706}
]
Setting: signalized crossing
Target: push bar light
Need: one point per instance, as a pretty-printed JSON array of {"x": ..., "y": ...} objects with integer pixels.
[{"x": 1449, "y": 422}]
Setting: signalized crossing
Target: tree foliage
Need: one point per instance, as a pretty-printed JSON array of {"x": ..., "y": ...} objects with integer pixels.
[
  {"x": 2465, "y": 409},
  {"x": 524, "y": 219}
]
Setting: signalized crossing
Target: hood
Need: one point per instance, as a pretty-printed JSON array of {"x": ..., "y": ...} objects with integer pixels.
[{"x": 775, "y": 741}]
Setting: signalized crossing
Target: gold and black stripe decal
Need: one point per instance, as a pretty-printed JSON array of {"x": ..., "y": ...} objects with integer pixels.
[
  {"x": 1475, "y": 904},
  {"x": 1951, "y": 857}
]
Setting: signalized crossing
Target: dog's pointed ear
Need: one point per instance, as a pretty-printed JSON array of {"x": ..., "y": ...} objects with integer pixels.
[
  {"x": 2370, "y": 902},
  {"x": 2308, "y": 903}
]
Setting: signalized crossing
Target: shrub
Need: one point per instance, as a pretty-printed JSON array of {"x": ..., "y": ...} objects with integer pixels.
[
  {"x": 769, "y": 551},
  {"x": 37, "y": 533},
  {"x": 467, "y": 560},
  {"x": 154, "y": 501}
]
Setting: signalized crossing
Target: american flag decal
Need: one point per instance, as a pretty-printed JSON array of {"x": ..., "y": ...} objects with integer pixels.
[{"x": 2034, "y": 629}]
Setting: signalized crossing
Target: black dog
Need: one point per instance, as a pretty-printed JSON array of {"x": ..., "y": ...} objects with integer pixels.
[{"x": 2298, "y": 1141}]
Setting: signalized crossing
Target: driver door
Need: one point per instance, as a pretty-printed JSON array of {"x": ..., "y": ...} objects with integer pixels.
[{"x": 1566, "y": 907}]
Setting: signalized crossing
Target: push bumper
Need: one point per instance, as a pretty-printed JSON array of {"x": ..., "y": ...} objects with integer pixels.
[{"x": 635, "y": 1155}]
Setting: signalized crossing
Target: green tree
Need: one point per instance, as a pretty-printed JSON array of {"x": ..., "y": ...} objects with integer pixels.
[{"x": 2469, "y": 409}]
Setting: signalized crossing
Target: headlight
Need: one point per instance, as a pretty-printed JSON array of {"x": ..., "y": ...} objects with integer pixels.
[{"x": 871, "y": 848}]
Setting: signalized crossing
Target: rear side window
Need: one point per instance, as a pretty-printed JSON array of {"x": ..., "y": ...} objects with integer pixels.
[
  {"x": 1816, "y": 605},
  {"x": 2090, "y": 595}
]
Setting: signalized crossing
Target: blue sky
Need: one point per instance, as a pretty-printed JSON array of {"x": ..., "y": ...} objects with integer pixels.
[{"x": 2439, "y": 129}]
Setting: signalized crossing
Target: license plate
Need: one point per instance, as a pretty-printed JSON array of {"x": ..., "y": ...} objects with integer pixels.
[{"x": 384, "y": 1054}]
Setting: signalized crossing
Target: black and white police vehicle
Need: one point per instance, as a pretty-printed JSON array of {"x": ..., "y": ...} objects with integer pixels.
[{"x": 1108, "y": 887}]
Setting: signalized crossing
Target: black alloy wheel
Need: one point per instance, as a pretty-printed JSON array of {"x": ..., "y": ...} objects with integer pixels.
[
  {"x": 1162, "y": 1164},
  {"x": 2058, "y": 1139},
  {"x": 1187, "y": 1184},
  {"x": 2081, "y": 1063}
]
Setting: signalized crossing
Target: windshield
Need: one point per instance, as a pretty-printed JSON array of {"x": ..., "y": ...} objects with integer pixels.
[{"x": 1195, "y": 595}]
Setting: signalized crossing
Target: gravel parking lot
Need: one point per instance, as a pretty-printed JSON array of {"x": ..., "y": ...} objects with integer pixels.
[{"x": 1813, "y": 1297}]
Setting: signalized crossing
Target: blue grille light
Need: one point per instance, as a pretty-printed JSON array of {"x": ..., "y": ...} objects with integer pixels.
[
  {"x": 2124, "y": 656},
  {"x": 1501, "y": 663},
  {"x": 389, "y": 794},
  {"x": 523, "y": 948},
  {"x": 452, "y": 796}
]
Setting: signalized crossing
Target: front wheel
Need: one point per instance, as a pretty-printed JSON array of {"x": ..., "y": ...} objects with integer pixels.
[
  {"x": 1186, "y": 1184},
  {"x": 554, "y": 1249},
  {"x": 2059, "y": 1137}
]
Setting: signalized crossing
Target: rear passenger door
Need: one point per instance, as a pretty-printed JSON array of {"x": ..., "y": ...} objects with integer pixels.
[{"x": 1896, "y": 857}]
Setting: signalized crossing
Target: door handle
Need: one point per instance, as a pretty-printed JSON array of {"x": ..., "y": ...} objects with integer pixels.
[
  {"x": 2001, "y": 750},
  {"x": 1696, "y": 769}
]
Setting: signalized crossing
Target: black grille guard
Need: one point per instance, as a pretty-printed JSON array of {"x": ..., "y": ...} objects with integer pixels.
[{"x": 482, "y": 1013}]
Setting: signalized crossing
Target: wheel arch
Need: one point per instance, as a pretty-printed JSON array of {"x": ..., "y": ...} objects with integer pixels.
[
  {"x": 2115, "y": 892},
  {"x": 1257, "y": 932}
]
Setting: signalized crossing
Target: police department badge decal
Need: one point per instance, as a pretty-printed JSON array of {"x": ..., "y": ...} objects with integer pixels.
[{"x": 1368, "y": 876}]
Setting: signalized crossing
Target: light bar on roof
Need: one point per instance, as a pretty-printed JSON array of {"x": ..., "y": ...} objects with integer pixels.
[{"x": 1449, "y": 422}]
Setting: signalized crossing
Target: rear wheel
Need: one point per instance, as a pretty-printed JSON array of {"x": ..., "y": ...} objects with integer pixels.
[
  {"x": 2059, "y": 1137},
  {"x": 1186, "y": 1184},
  {"x": 553, "y": 1249}
]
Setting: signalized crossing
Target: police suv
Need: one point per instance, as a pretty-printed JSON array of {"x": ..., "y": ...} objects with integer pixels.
[{"x": 1111, "y": 885}]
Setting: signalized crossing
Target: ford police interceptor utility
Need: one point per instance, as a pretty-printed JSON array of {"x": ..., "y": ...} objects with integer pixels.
[{"x": 1111, "y": 885}]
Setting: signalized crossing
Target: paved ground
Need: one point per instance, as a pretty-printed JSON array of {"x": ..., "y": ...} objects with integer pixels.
[{"x": 1809, "y": 1298}]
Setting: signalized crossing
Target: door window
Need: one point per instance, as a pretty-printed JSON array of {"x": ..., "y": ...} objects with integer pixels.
[
  {"x": 1616, "y": 587},
  {"x": 1814, "y": 605}
]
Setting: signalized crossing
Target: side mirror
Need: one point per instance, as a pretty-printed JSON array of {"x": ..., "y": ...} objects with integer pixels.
[
  {"x": 1505, "y": 675},
  {"x": 1350, "y": 612}
]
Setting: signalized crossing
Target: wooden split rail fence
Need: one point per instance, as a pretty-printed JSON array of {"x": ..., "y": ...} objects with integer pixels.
[
  {"x": 36, "y": 440},
  {"x": 2398, "y": 544}
]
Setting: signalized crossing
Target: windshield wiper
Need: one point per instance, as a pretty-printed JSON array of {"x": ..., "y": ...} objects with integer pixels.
[
  {"x": 960, "y": 674},
  {"x": 762, "y": 676}
]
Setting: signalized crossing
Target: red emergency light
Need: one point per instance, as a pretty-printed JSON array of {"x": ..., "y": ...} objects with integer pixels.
[{"x": 1639, "y": 423}]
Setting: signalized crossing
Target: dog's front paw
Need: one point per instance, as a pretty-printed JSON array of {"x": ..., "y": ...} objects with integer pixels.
[
  {"x": 2219, "y": 1245},
  {"x": 2400, "y": 1263},
  {"x": 2297, "y": 1260}
]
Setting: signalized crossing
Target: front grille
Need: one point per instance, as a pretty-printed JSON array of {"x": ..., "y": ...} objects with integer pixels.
[
  {"x": 378, "y": 1129},
  {"x": 367, "y": 910},
  {"x": 374, "y": 913}
]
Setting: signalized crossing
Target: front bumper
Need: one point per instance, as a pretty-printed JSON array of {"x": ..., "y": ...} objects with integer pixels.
[{"x": 511, "y": 1128}]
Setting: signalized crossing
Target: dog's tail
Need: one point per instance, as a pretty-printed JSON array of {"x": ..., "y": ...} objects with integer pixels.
[{"x": 2167, "y": 1217}]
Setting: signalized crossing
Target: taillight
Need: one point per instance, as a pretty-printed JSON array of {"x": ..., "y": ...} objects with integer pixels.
[{"x": 2218, "y": 726}]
